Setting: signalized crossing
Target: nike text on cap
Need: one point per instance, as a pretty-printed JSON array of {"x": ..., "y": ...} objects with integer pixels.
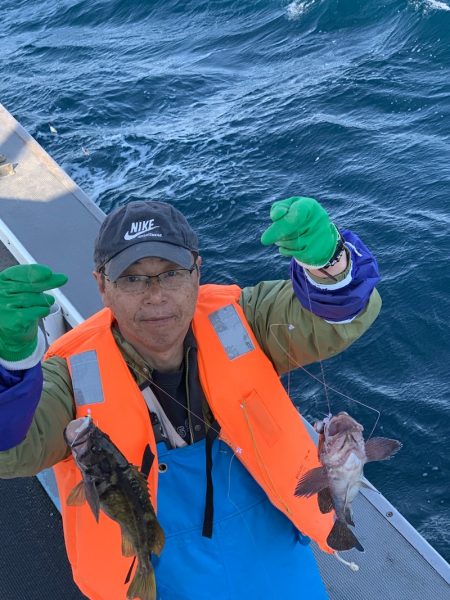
[{"x": 142, "y": 229}]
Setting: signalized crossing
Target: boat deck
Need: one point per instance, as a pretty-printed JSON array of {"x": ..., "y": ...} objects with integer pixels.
[{"x": 45, "y": 217}]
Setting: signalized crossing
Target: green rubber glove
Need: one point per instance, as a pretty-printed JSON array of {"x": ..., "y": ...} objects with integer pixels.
[
  {"x": 301, "y": 228},
  {"x": 22, "y": 304}
]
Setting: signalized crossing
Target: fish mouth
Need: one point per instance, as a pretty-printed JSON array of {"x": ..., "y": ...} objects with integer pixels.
[
  {"x": 342, "y": 423},
  {"x": 75, "y": 430}
]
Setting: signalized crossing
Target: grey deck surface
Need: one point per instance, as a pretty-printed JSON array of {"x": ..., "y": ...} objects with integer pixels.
[
  {"x": 57, "y": 224},
  {"x": 46, "y": 210},
  {"x": 391, "y": 568}
]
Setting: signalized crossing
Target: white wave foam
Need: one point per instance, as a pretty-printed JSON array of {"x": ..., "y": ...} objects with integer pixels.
[
  {"x": 296, "y": 9},
  {"x": 431, "y": 5},
  {"x": 436, "y": 4}
]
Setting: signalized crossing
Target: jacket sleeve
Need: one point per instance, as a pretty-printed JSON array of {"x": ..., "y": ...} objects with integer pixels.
[
  {"x": 296, "y": 328},
  {"x": 342, "y": 300},
  {"x": 19, "y": 396},
  {"x": 40, "y": 444}
]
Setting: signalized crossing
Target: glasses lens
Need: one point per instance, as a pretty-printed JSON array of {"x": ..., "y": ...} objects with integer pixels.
[
  {"x": 132, "y": 284},
  {"x": 173, "y": 280},
  {"x": 170, "y": 280}
]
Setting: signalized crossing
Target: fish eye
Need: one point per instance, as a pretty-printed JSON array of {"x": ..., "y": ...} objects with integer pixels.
[
  {"x": 333, "y": 429},
  {"x": 319, "y": 426}
]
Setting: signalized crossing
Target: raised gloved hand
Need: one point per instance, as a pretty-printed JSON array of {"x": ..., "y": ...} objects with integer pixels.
[
  {"x": 301, "y": 228},
  {"x": 22, "y": 303}
]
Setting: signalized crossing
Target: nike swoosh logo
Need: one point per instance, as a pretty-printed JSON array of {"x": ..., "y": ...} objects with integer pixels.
[{"x": 131, "y": 236}]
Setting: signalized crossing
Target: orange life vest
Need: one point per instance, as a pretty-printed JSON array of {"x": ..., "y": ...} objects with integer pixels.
[{"x": 256, "y": 416}]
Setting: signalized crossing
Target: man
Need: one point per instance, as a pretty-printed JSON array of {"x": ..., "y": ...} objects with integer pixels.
[{"x": 185, "y": 379}]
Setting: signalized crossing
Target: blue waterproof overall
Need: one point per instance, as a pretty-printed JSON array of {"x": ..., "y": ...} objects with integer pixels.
[{"x": 255, "y": 552}]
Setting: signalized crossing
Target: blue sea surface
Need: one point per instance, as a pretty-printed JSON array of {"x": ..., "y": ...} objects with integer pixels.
[{"x": 222, "y": 107}]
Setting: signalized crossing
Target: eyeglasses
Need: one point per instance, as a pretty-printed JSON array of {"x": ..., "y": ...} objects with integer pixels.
[{"x": 138, "y": 284}]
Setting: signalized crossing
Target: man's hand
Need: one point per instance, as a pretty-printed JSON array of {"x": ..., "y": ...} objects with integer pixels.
[
  {"x": 301, "y": 228},
  {"x": 22, "y": 303}
]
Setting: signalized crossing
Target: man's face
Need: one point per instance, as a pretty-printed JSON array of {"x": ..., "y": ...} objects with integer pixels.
[{"x": 158, "y": 319}]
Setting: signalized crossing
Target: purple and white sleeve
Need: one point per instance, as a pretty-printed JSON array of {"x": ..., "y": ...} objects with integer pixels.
[
  {"x": 20, "y": 392},
  {"x": 342, "y": 301}
]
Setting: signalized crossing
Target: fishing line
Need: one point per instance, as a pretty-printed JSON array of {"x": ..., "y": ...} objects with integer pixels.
[
  {"x": 353, "y": 566},
  {"x": 80, "y": 430},
  {"x": 290, "y": 327},
  {"x": 322, "y": 370},
  {"x": 235, "y": 452},
  {"x": 292, "y": 361},
  {"x": 316, "y": 340},
  {"x": 326, "y": 385},
  {"x": 234, "y": 455},
  {"x": 207, "y": 425}
]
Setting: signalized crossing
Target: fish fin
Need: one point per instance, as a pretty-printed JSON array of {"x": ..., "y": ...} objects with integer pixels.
[
  {"x": 160, "y": 539},
  {"x": 349, "y": 516},
  {"x": 380, "y": 448},
  {"x": 139, "y": 474},
  {"x": 82, "y": 492},
  {"x": 143, "y": 585},
  {"x": 127, "y": 544},
  {"x": 342, "y": 538},
  {"x": 325, "y": 500},
  {"x": 77, "y": 496},
  {"x": 92, "y": 498},
  {"x": 312, "y": 482}
]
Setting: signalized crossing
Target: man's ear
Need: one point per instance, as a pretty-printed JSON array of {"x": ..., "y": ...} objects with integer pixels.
[
  {"x": 198, "y": 262},
  {"x": 99, "y": 278}
]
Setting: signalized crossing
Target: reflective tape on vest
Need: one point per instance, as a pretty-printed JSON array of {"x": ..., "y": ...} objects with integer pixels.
[
  {"x": 87, "y": 386},
  {"x": 231, "y": 331}
]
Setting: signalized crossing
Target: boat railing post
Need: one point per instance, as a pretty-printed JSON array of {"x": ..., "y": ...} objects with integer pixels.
[{"x": 54, "y": 325}]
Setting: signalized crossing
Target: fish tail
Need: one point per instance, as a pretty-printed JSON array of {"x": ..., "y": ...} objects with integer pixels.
[
  {"x": 342, "y": 538},
  {"x": 143, "y": 585}
]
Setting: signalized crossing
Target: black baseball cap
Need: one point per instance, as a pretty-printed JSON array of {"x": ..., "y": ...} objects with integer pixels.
[{"x": 142, "y": 229}]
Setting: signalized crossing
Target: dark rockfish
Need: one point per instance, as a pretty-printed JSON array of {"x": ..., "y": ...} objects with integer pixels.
[
  {"x": 343, "y": 454},
  {"x": 112, "y": 484}
]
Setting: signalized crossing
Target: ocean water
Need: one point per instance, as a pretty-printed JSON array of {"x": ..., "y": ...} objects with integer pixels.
[{"x": 223, "y": 107}]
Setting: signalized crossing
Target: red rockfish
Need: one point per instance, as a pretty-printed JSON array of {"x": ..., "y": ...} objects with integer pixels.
[{"x": 343, "y": 454}]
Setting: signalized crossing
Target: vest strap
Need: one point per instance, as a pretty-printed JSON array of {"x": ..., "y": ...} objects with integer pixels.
[
  {"x": 171, "y": 434},
  {"x": 147, "y": 461},
  {"x": 211, "y": 435}
]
